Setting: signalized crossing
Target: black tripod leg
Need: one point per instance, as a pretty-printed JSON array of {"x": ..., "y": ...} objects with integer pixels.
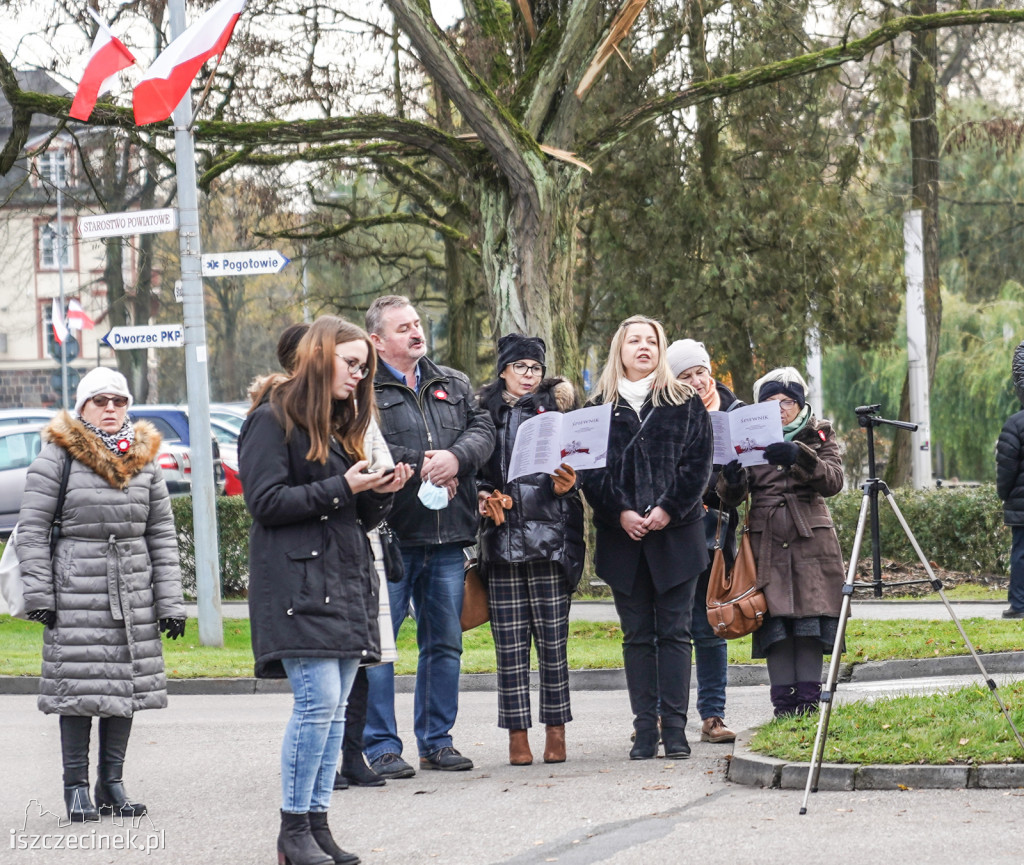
[
  {"x": 937, "y": 586},
  {"x": 828, "y": 692}
]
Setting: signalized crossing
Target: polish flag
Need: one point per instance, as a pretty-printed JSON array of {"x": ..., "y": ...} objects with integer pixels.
[
  {"x": 60, "y": 329},
  {"x": 169, "y": 78},
  {"x": 108, "y": 57},
  {"x": 78, "y": 318}
]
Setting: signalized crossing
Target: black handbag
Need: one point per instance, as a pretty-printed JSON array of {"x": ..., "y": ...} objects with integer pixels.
[{"x": 394, "y": 566}]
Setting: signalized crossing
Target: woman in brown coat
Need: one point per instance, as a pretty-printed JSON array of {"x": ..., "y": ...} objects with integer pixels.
[{"x": 799, "y": 563}]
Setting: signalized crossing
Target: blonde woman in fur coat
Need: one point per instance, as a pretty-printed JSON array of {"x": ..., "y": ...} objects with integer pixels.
[{"x": 112, "y": 585}]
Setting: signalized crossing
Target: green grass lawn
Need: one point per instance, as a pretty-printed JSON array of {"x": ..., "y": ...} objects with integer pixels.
[
  {"x": 592, "y": 645},
  {"x": 956, "y": 727}
]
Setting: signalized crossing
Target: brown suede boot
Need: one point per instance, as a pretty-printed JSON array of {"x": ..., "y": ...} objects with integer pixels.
[
  {"x": 554, "y": 744},
  {"x": 519, "y": 753}
]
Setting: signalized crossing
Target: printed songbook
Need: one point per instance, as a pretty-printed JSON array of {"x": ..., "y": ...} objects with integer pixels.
[
  {"x": 744, "y": 433},
  {"x": 578, "y": 438}
]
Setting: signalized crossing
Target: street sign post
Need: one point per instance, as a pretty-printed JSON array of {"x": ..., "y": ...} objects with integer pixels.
[
  {"x": 145, "y": 336},
  {"x": 243, "y": 263},
  {"x": 125, "y": 224}
]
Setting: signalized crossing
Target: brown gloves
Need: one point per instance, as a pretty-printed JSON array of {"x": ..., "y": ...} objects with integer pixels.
[
  {"x": 564, "y": 478},
  {"x": 495, "y": 506}
]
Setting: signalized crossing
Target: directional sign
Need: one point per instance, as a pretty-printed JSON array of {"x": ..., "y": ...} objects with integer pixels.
[
  {"x": 242, "y": 263},
  {"x": 125, "y": 224},
  {"x": 145, "y": 336}
]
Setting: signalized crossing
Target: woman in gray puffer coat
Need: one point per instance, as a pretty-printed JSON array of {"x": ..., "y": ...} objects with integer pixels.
[{"x": 112, "y": 585}]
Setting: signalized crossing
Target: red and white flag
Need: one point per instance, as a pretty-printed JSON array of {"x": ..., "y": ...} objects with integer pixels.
[
  {"x": 108, "y": 57},
  {"x": 78, "y": 318},
  {"x": 171, "y": 75},
  {"x": 60, "y": 329}
]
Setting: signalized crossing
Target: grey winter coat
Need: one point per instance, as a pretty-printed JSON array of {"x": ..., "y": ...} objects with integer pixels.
[{"x": 114, "y": 573}]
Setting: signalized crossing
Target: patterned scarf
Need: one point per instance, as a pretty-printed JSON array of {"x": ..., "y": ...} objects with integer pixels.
[{"x": 117, "y": 443}]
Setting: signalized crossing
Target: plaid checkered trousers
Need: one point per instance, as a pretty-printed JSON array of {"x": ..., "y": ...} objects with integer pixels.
[{"x": 530, "y": 600}]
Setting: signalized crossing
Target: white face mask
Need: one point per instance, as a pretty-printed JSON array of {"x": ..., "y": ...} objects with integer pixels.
[{"x": 432, "y": 496}]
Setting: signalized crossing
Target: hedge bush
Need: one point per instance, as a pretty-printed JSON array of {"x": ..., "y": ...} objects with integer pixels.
[
  {"x": 960, "y": 529},
  {"x": 233, "y": 522}
]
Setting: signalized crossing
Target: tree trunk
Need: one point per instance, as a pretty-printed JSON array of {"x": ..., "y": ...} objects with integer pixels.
[
  {"x": 529, "y": 258},
  {"x": 463, "y": 314},
  {"x": 924, "y": 150}
]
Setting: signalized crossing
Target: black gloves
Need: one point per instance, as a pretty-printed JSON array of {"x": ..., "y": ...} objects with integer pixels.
[
  {"x": 44, "y": 617},
  {"x": 174, "y": 628},
  {"x": 782, "y": 453},
  {"x": 733, "y": 473}
]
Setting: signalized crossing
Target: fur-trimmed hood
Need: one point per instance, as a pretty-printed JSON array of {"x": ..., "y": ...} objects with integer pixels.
[
  {"x": 88, "y": 448},
  {"x": 552, "y": 394}
]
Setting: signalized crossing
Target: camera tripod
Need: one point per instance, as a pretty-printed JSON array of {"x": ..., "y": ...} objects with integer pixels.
[{"x": 867, "y": 418}]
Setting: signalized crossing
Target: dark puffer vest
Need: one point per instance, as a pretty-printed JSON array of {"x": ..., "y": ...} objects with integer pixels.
[{"x": 540, "y": 526}]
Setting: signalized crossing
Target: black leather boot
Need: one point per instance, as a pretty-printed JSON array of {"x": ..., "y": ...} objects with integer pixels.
[
  {"x": 296, "y": 845},
  {"x": 322, "y": 835},
  {"x": 110, "y": 793},
  {"x": 645, "y": 745},
  {"x": 74, "y": 748},
  {"x": 354, "y": 770}
]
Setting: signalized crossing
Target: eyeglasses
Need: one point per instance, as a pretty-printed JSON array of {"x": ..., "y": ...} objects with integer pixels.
[
  {"x": 521, "y": 368},
  {"x": 359, "y": 370},
  {"x": 101, "y": 400},
  {"x": 788, "y": 404}
]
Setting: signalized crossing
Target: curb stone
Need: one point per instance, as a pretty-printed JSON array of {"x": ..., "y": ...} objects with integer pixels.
[{"x": 756, "y": 770}]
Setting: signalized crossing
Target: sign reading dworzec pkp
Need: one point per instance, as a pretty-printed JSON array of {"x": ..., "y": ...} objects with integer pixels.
[{"x": 145, "y": 336}]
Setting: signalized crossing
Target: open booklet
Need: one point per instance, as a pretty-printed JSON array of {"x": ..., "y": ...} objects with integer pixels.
[
  {"x": 578, "y": 438},
  {"x": 744, "y": 433}
]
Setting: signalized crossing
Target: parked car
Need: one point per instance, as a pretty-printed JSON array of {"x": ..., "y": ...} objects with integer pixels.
[
  {"x": 19, "y": 445},
  {"x": 171, "y": 421},
  {"x": 227, "y": 439},
  {"x": 16, "y": 416},
  {"x": 229, "y": 414}
]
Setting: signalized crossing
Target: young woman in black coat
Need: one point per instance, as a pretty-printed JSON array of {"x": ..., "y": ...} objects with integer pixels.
[
  {"x": 650, "y": 529},
  {"x": 312, "y": 586},
  {"x": 531, "y": 551}
]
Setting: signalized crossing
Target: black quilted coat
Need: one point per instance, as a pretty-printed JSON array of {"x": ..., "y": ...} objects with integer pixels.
[{"x": 540, "y": 526}]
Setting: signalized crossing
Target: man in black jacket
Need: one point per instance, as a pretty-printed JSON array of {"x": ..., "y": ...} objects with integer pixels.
[
  {"x": 430, "y": 421},
  {"x": 1010, "y": 487}
]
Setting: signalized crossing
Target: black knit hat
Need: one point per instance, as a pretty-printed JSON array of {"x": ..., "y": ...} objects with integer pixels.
[
  {"x": 793, "y": 389},
  {"x": 515, "y": 346}
]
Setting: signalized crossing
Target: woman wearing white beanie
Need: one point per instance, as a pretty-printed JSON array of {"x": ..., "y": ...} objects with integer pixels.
[
  {"x": 105, "y": 585},
  {"x": 691, "y": 363}
]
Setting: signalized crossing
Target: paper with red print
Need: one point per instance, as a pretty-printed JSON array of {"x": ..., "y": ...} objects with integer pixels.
[
  {"x": 743, "y": 434},
  {"x": 578, "y": 438}
]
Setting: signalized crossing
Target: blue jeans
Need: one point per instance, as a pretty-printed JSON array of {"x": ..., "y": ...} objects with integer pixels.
[
  {"x": 1016, "y": 593},
  {"x": 312, "y": 739},
  {"x": 712, "y": 656},
  {"x": 433, "y": 584}
]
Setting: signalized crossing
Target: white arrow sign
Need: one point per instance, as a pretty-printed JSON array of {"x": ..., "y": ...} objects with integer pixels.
[
  {"x": 145, "y": 336},
  {"x": 125, "y": 224},
  {"x": 241, "y": 263}
]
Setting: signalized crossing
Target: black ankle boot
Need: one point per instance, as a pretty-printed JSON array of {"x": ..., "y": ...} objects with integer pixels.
[
  {"x": 355, "y": 771},
  {"x": 74, "y": 748},
  {"x": 296, "y": 845},
  {"x": 79, "y": 805},
  {"x": 784, "y": 700},
  {"x": 111, "y": 795},
  {"x": 322, "y": 835},
  {"x": 674, "y": 740},
  {"x": 645, "y": 745}
]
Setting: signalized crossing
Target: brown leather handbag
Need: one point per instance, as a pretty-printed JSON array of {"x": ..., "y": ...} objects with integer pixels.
[
  {"x": 736, "y": 606},
  {"x": 475, "y": 609}
]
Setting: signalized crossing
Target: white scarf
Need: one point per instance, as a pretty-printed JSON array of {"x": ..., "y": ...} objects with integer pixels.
[{"x": 635, "y": 392}]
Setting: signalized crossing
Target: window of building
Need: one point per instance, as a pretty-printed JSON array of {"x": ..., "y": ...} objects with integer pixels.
[
  {"x": 54, "y": 166},
  {"x": 48, "y": 245}
]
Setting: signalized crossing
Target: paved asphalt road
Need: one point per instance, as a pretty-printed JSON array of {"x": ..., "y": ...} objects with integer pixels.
[{"x": 208, "y": 768}]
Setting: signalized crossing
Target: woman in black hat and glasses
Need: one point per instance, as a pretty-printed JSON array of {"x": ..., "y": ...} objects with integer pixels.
[{"x": 531, "y": 550}]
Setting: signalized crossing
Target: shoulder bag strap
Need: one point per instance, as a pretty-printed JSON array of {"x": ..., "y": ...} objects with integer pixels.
[{"x": 58, "y": 514}]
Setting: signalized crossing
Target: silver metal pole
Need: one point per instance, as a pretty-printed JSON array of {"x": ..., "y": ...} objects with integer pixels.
[
  {"x": 204, "y": 511},
  {"x": 59, "y": 250}
]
